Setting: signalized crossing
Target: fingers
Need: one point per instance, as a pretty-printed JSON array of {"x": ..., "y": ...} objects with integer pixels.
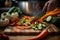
[
  {"x": 51, "y": 6},
  {"x": 45, "y": 6}
]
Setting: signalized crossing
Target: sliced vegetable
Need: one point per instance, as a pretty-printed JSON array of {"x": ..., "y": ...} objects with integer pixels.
[
  {"x": 53, "y": 20},
  {"x": 43, "y": 25},
  {"x": 33, "y": 27},
  {"x": 26, "y": 17},
  {"x": 40, "y": 27},
  {"x": 51, "y": 13},
  {"x": 48, "y": 19},
  {"x": 56, "y": 22}
]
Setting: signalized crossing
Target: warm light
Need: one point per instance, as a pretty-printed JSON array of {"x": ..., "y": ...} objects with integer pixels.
[{"x": 27, "y": 8}]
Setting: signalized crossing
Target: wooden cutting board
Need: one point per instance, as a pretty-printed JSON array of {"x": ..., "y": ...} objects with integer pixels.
[{"x": 10, "y": 31}]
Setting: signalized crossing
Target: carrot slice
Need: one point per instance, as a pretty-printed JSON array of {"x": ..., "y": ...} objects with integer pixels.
[
  {"x": 15, "y": 30},
  {"x": 26, "y": 17}
]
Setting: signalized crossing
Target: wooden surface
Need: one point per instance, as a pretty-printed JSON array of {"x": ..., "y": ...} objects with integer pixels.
[
  {"x": 25, "y": 37},
  {"x": 53, "y": 35}
]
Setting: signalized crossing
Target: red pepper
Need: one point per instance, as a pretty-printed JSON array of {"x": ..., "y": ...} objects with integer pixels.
[
  {"x": 43, "y": 34},
  {"x": 14, "y": 20}
]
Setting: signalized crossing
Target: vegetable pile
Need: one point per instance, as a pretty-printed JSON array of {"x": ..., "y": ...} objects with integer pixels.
[
  {"x": 15, "y": 17},
  {"x": 12, "y": 15},
  {"x": 38, "y": 26},
  {"x": 24, "y": 23},
  {"x": 49, "y": 17}
]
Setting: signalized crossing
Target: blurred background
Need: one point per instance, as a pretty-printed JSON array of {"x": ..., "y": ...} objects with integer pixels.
[{"x": 16, "y": 2}]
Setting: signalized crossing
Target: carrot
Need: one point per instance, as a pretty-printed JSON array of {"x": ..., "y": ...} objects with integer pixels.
[
  {"x": 43, "y": 34},
  {"x": 51, "y": 13},
  {"x": 26, "y": 25},
  {"x": 12, "y": 24},
  {"x": 18, "y": 27},
  {"x": 26, "y": 17},
  {"x": 15, "y": 30},
  {"x": 21, "y": 27}
]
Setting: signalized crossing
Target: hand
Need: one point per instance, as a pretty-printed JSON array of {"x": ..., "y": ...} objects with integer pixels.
[{"x": 50, "y": 5}]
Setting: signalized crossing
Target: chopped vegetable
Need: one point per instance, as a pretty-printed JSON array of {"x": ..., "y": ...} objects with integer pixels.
[
  {"x": 48, "y": 19},
  {"x": 38, "y": 26},
  {"x": 56, "y": 21},
  {"x": 53, "y": 20},
  {"x": 43, "y": 25},
  {"x": 51, "y": 13},
  {"x": 35, "y": 28},
  {"x": 26, "y": 17}
]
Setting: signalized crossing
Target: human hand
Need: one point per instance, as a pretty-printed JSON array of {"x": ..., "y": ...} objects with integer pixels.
[{"x": 50, "y": 5}]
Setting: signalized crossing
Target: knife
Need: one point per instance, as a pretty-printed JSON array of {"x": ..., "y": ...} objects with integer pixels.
[{"x": 42, "y": 13}]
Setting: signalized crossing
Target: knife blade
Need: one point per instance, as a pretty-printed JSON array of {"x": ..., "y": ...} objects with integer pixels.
[{"x": 42, "y": 13}]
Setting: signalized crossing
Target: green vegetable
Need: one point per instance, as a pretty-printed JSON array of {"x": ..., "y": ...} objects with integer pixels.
[
  {"x": 35, "y": 28},
  {"x": 40, "y": 26},
  {"x": 43, "y": 25},
  {"x": 19, "y": 12},
  {"x": 15, "y": 9},
  {"x": 11, "y": 9},
  {"x": 49, "y": 18},
  {"x": 56, "y": 22},
  {"x": 53, "y": 20}
]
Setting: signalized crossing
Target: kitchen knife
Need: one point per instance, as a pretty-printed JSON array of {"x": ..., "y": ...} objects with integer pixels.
[{"x": 42, "y": 13}]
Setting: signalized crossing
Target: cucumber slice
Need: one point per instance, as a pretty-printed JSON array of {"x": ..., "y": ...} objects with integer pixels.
[
  {"x": 35, "y": 22},
  {"x": 43, "y": 25},
  {"x": 48, "y": 19},
  {"x": 35, "y": 28},
  {"x": 54, "y": 20},
  {"x": 40, "y": 27},
  {"x": 40, "y": 24}
]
